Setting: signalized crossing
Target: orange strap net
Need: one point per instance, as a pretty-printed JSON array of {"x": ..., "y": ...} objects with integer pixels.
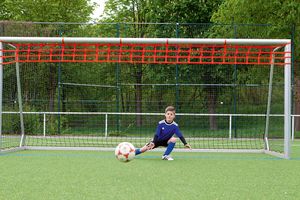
[{"x": 144, "y": 53}]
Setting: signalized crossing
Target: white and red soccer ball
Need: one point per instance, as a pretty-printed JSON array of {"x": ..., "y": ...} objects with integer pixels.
[{"x": 125, "y": 152}]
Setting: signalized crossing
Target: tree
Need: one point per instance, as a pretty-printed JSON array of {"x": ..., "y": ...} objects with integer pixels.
[
  {"x": 281, "y": 17},
  {"x": 46, "y": 11},
  {"x": 135, "y": 11},
  {"x": 157, "y": 11}
]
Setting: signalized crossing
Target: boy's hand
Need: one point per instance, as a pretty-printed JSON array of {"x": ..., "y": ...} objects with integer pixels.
[
  {"x": 188, "y": 146},
  {"x": 150, "y": 145}
]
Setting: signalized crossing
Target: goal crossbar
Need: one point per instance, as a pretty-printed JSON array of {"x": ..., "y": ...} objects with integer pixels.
[
  {"x": 144, "y": 50},
  {"x": 262, "y": 42}
]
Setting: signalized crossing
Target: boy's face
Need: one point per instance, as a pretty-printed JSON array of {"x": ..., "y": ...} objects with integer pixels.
[{"x": 170, "y": 116}]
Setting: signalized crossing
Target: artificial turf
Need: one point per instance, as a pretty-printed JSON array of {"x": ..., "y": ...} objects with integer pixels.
[{"x": 35, "y": 175}]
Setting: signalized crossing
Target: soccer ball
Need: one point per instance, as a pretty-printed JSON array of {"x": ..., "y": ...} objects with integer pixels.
[{"x": 125, "y": 152}]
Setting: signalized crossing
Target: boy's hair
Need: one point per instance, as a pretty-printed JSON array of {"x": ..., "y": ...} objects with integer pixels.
[{"x": 170, "y": 108}]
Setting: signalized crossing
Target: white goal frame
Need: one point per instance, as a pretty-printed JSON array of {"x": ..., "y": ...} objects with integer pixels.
[{"x": 271, "y": 42}]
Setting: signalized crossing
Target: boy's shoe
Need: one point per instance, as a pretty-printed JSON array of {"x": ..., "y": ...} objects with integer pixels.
[{"x": 167, "y": 157}]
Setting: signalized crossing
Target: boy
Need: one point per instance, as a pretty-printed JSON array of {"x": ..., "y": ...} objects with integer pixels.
[{"x": 164, "y": 135}]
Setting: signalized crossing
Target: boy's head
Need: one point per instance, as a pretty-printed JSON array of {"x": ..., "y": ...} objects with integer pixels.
[
  {"x": 170, "y": 114},
  {"x": 170, "y": 108}
]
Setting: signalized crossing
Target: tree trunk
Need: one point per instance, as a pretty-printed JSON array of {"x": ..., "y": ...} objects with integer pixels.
[
  {"x": 138, "y": 93},
  {"x": 63, "y": 99},
  {"x": 212, "y": 104},
  {"x": 52, "y": 86},
  {"x": 160, "y": 101}
]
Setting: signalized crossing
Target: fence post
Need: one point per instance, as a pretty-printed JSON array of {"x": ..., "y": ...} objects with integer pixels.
[
  {"x": 106, "y": 126},
  {"x": 230, "y": 126},
  {"x": 293, "y": 127},
  {"x": 44, "y": 125}
]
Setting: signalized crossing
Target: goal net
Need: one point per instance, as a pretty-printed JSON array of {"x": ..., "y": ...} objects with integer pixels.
[{"x": 231, "y": 95}]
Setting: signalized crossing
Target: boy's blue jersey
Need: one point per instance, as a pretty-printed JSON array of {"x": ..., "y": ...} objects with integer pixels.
[{"x": 165, "y": 131}]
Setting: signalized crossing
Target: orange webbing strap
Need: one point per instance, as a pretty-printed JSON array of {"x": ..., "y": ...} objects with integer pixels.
[{"x": 144, "y": 53}]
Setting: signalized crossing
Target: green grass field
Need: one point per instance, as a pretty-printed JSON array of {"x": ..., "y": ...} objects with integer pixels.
[{"x": 78, "y": 175}]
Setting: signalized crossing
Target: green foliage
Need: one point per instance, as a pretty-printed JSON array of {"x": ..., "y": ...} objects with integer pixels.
[
  {"x": 52, "y": 123},
  {"x": 32, "y": 123},
  {"x": 157, "y": 12},
  {"x": 117, "y": 133},
  {"x": 278, "y": 17},
  {"x": 46, "y": 11},
  {"x": 182, "y": 11},
  {"x": 279, "y": 12}
]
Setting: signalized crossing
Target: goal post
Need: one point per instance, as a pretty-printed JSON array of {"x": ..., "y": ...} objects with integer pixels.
[
  {"x": 287, "y": 101},
  {"x": 1, "y": 90},
  {"x": 267, "y": 53}
]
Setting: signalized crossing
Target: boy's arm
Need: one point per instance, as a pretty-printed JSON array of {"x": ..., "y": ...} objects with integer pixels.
[
  {"x": 184, "y": 142},
  {"x": 180, "y": 135},
  {"x": 151, "y": 144},
  {"x": 154, "y": 138}
]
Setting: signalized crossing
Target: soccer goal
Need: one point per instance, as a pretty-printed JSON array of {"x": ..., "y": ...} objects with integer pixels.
[{"x": 231, "y": 95}]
